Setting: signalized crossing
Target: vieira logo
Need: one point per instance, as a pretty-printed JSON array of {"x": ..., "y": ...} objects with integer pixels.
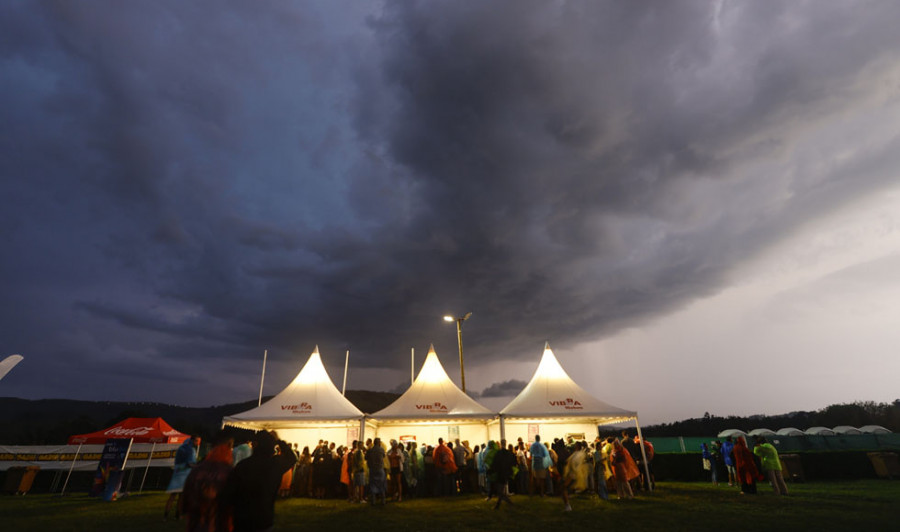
[
  {"x": 302, "y": 408},
  {"x": 568, "y": 403},
  {"x": 435, "y": 408}
]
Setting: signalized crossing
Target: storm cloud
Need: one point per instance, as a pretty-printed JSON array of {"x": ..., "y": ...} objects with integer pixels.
[{"x": 185, "y": 185}]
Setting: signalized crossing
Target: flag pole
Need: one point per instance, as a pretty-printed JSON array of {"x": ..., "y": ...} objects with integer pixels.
[
  {"x": 346, "y": 363},
  {"x": 263, "y": 378}
]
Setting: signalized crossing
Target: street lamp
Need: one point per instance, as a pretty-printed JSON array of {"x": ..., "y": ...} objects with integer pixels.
[{"x": 462, "y": 370}]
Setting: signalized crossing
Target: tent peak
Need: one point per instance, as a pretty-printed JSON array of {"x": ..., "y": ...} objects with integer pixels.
[
  {"x": 316, "y": 350},
  {"x": 431, "y": 349}
]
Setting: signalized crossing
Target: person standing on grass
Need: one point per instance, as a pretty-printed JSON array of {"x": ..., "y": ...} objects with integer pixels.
[
  {"x": 745, "y": 466},
  {"x": 709, "y": 463},
  {"x": 540, "y": 464},
  {"x": 624, "y": 469},
  {"x": 358, "y": 471},
  {"x": 377, "y": 477},
  {"x": 728, "y": 457},
  {"x": 445, "y": 465},
  {"x": 395, "y": 459},
  {"x": 771, "y": 464},
  {"x": 252, "y": 487},
  {"x": 599, "y": 470},
  {"x": 185, "y": 459}
]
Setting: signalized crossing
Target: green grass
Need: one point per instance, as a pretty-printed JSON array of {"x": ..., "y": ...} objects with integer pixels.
[{"x": 853, "y": 505}]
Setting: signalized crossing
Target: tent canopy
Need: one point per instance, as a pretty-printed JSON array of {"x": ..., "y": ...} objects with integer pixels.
[
  {"x": 551, "y": 393},
  {"x": 874, "y": 429},
  {"x": 820, "y": 431},
  {"x": 846, "y": 429},
  {"x": 312, "y": 398},
  {"x": 789, "y": 431},
  {"x": 140, "y": 429},
  {"x": 734, "y": 433},
  {"x": 433, "y": 396},
  {"x": 762, "y": 432}
]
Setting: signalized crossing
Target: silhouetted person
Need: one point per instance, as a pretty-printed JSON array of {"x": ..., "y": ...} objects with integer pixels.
[{"x": 253, "y": 485}]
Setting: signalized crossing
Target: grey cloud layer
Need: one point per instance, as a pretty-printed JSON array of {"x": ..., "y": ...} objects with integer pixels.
[{"x": 191, "y": 182}]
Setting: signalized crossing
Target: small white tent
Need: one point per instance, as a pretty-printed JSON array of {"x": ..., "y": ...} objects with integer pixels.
[
  {"x": 433, "y": 407},
  {"x": 846, "y": 430},
  {"x": 874, "y": 429},
  {"x": 789, "y": 431},
  {"x": 309, "y": 409},
  {"x": 819, "y": 431},
  {"x": 762, "y": 432}
]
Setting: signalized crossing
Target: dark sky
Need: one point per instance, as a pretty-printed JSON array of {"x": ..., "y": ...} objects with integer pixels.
[{"x": 184, "y": 185}]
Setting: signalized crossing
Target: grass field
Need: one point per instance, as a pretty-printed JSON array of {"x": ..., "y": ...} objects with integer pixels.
[{"x": 871, "y": 505}]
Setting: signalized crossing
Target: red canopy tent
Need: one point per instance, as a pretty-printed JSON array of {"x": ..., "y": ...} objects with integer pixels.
[{"x": 139, "y": 429}]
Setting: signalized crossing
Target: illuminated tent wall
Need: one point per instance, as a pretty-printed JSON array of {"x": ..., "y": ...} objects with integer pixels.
[
  {"x": 433, "y": 407},
  {"x": 309, "y": 409}
]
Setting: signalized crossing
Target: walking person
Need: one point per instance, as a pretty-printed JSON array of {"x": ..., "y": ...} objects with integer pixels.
[
  {"x": 185, "y": 459},
  {"x": 771, "y": 464},
  {"x": 202, "y": 500}
]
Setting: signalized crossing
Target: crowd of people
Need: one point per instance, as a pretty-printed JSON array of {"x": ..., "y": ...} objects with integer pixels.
[
  {"x": 235, "y": 486},
  {"x": 742, "y": 467}
]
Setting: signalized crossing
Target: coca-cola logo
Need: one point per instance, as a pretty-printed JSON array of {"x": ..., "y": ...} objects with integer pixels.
[
  {"x": 434, "y": 408},
  {"x": 567, "y": 403},
  {"x": 302, "y": 408},
  {"x": 122, "y": 431}
]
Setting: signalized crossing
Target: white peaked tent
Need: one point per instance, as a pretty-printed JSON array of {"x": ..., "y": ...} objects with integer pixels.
[
  {"x": 433, "y": 407},
  {"x": 309, "y": 409},
  {"x": 553, "y": 401},
  {"x": 553, "y": 405}
]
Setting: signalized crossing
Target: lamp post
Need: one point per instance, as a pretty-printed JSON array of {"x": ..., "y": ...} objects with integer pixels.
[{"x": 462, "y": 369}]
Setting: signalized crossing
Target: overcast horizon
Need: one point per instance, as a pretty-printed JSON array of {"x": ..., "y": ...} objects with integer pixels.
[{"x": 696, "y": 203}]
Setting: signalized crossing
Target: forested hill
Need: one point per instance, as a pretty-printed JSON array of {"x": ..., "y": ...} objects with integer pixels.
[
  {"x": 52, "y": 421},
  {"x": 856, "y": 414}
]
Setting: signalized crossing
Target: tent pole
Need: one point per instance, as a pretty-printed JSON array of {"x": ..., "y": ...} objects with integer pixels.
[
  {"x": 644, "y": 455},
  {"x": 71, "y": 467},
  {"x": 502, "y": 427},
  {"x": 149, "y": 459},
  {"x": 362, "y": 429},
  {"x": 263, "y": 378}
]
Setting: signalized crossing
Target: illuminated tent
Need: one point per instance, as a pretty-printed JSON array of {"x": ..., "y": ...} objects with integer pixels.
[
  {"x": 557, "y": 405},
  {"x": 553, "y": 405},
  {"x": 433, "y": 407},
  {"x": 309, "y": 409}
]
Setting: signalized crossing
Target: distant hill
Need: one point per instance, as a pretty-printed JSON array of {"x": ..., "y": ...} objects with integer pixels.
[
  {"x": 856, "y": 414},
  {"x": 52, "y": 421}
]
